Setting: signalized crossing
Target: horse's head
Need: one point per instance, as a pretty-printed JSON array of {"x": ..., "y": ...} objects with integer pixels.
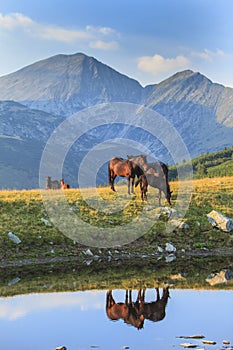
[{"x": 140, "y": 160}]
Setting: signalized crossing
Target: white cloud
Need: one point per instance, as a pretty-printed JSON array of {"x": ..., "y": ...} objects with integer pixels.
[
  {"x": 61, "y": 34},
  {"x": 19, "y": 306},
  {"x": 14, "y": 20},
  {"x": 105, "y": 31},
  {"x": 208, "y": 55},
  {"x": 158, "y": 64},
  {"x": 91, "y": 34},
  {"x": 103, "y": 45}
]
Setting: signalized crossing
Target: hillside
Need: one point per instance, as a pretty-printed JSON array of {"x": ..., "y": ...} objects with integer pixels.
[
  {"x": 37, "y": 98},
  {"x": 215, "y": 164}
]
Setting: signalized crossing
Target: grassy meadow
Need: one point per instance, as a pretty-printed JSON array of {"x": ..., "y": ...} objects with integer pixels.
[{"x": 21, "y": 213}]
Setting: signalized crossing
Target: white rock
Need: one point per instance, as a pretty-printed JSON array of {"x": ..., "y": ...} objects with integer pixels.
[
  {"x": 46, "y": 222},
  {"x": 220, "y": 277},
  {"x": 188, "y": 345},
  {"x": 160, "y": 249},
  {"x": 14, "y": 281},
  {"x": 178, "y": 223},
  {"x": 170, "y": 258},
  {"x": 170, "y": 248},
  {"x": 14, "y": 238},
  {"x": 220, "y": 221},
  {"x": 88, "y": 252}
]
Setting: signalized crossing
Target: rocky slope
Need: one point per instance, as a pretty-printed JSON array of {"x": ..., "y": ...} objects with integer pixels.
[{"x": 37, "y": 98}]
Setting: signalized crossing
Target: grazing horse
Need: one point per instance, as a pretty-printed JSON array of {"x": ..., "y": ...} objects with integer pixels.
[
  {"x": 124, "y": 168},
  {"x": 142, "y": 180},
  {"x": 156, "y": 174},
  {"x": 125, "y": 311},
  {"x": 52, "y": 184},
  {"x": 64, "y": 186},
  {"x": 155, "y": 310}
]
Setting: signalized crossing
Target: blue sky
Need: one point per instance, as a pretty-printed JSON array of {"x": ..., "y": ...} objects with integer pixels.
[{"x": 148, "y": 40}]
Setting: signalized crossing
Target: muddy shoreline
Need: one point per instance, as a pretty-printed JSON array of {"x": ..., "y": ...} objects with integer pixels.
[{"x": 126, "y": 257}]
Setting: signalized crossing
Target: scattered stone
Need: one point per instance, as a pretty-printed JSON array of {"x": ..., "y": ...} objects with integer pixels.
[
  {"x": 229, "y": 274},
  {"x": 46, "y": 222},
  {"x": 168, "y": 211},
  {"x": 188, "y": 345},
  {"x": 88, "y": 262},
  {"x": 14, "y": 281},
  {"x": 170, "y": 258},
  {"x": 14, "y": 238},
  {"x": 226, "y": 342},
  {"x": 61, "y": 348},
  {"x": 160, "y": 249},
  {"x": 179, "y": 224},
  {"x": 220, "y": 277},
  {"x": 209, "y": 342},
  {"x": 195, "y": 336},
  {"x": 220, "y": 221},
  {"x": 73, "y": 208},
  {"x": 125, "y": 347},
  {"x": 170, "y": 248},
  {"x": 180, "y": 277},
  {"x": 88, "y": 252}
]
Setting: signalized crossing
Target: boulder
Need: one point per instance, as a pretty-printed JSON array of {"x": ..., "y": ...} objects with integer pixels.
[
  {"x": 220, "y": 221},
  {"x": 220, "y": 277}
]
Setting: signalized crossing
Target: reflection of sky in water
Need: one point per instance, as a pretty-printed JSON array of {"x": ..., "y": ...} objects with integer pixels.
[{"x": 78, "y": 320}]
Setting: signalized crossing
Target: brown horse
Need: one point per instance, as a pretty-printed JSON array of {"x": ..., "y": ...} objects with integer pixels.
[
  {"x": 64, "y": 186},
  {"x": 125, "y": 311},
  {"x": 52, "y": 184},
  {"x": 142, "y": 180},
  {"x": 156, "y": 174},
  {"x": 155, "y": 310},
  {"x": 123, "y": 168}
]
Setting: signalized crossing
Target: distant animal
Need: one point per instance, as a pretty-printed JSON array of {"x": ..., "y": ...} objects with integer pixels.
[
  {"x": 123, "y": 168},
  {"x": 155, "y": 310},
  {"x": 156, "y": 174},
  {"x": 124, "y": 310},
  {"x": 64, "y": 186},
  {"x": 142, "y": 180},
  {"x": 52, "y": 184}
]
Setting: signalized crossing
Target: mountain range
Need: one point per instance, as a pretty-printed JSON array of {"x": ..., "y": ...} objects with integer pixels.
[{"x": 37, "y": 98}]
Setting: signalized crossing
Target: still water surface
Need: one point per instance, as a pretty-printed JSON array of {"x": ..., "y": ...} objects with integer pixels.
[{"x": 79, "y": 321}]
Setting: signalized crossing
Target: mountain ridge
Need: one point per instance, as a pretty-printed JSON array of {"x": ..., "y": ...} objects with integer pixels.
[{"x": 37, "y": 98}]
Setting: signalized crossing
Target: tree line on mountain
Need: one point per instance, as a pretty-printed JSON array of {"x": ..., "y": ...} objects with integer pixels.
[{"x": 215, "y": 164}]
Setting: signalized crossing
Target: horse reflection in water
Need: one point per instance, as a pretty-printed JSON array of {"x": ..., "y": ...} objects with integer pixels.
[
  {"x": 155, "y": 310},
  {"x": 134, "y": 313},
  {"x": 127, "y": 311}
]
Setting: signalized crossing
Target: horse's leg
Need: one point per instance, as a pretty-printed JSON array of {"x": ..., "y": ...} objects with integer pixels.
[
  {"x": 133, "y": 178},
  {"x": 128, "y": 179},
  {"x": 126, "y": 297},
  {"x": 112, "y": 182}
]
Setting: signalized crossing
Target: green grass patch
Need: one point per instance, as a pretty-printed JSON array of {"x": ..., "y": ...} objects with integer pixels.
[{"x": 21, "y": 213}]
